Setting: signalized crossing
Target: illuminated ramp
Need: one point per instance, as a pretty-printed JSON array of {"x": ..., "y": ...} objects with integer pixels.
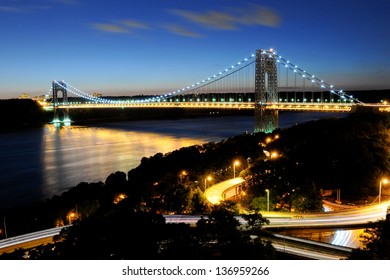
[{"x": 216, "y": 193}]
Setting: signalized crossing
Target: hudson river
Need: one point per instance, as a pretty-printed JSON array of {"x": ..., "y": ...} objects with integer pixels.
[{"x": 38, "y": 163}]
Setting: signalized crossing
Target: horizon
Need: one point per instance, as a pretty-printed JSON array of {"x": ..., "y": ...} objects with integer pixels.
[{"x": 121, "y": 48}]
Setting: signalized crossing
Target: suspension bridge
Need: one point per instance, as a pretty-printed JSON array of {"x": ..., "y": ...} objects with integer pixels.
[{"x": 264, "y": 82}]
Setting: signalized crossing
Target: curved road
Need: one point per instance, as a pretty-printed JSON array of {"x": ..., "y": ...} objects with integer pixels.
[{"x": 215, "y": 193}]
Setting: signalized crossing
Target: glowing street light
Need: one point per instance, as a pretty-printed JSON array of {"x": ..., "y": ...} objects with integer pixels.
[
  {"x": 267, "y": 191},
  {"x": 205, "y": 182},
  {"x": 274, "y": 155},
  {"x": 182, "y": 175},
  {"x": 384, "y": 181},
  {"x": 71, "y": 217},
  {"x": 234, "y": 167}
]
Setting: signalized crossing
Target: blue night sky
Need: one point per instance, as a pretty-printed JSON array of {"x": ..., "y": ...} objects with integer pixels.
[{"x": 122, "y": 47}]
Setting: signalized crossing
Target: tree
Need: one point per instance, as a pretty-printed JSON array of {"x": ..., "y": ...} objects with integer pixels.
[{"x": 376, "y": 242}]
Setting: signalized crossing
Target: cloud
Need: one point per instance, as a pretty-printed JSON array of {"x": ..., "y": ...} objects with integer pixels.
[
  {"x": 111, "y": 28},
  {"x": 233, "y": 20},
  {"x": 20, "y": 7},
  {"x": 124, "y": 26},
  {"x": 259, "y": 16},
  {"x": 216, "y": 20},
  {"x": 134, "y": 24},
  {"x": 180, "y": 30}
]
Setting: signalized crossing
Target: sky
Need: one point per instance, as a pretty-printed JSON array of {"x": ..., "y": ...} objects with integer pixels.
[{"x": 120, "y": 47}]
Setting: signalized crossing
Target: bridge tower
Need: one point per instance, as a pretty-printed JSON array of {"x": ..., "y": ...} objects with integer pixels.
[
  {"x": 266, "y": 91},
  {"x": 60, "y": 115}
]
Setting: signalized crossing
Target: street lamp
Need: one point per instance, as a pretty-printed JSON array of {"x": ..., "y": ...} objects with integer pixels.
[
  {"x": 182, "y": 175},
  {"x": 205, "y": 182},
  {"x": 267, "y": 191},
  {"x": 71, "y": 217},
  {"x": 384, "y": 181},
  {"x": 234, "y": 168}
]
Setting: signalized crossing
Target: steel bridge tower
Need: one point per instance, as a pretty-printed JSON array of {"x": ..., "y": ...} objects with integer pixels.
[
  {"x": 60, "y": 115},
  {"x": 266, "y": 91}
]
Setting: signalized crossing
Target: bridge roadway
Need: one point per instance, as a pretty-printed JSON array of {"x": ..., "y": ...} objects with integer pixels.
[
  {"x": 281, "y": 106},
  {"x": 296, "y": 106}
]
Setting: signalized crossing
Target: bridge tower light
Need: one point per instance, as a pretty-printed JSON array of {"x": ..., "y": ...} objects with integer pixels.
[
  {"x": 266, "y": 83},
  {"x": 61, "y": 115}
]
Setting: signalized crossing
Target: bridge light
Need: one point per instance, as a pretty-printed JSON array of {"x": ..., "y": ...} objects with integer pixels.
[
  {"x": 303, "y": 76},
  {"x": 246, "y": 59}
]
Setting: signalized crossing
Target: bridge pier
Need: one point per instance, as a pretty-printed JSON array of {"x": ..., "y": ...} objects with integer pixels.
[
  {"x": 60, "y": 115},
  {"x": 266, "y": 91}
]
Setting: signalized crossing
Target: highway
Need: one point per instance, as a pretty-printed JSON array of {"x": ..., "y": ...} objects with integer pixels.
[
  {"x": 349, "y": 217},
  {"x": 216, "y": 193},
  {"x": 29, "y": 237}
]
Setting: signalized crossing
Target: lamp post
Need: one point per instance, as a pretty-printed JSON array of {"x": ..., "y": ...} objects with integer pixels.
[
  {"x": 5, "y": 229},
  {"x": 234, "y": 168},
  {"x": 205, "y": 182},
  {"x": 267, "y": 191},
  {"x": 384, "y": 181}
]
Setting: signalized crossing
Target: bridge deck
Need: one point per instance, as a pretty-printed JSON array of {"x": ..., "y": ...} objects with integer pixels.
[{"x": 316, "y": 107}]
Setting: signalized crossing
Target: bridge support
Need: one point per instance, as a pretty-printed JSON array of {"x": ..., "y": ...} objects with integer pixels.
[
  {"x": 61, "y": 116},
  {"x": 266, "y": 91}
]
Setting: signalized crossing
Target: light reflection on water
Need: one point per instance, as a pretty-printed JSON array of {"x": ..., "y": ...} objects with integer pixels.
[
  {"x": 91, "y": 154},
  {"x": 38, "y": 163}
]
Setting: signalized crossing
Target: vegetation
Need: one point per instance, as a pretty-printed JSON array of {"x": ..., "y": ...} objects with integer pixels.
[
  {"x": 376, "y": 242},
  {"x": 123, "y": 214},
  {"x": 21, "y": 113}
]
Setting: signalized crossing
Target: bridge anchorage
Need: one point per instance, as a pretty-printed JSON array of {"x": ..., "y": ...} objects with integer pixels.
[{"x": 61, "y": 115}]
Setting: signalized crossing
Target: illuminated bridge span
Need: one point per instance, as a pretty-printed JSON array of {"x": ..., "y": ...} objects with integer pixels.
[{"x": 264, "y": 82}]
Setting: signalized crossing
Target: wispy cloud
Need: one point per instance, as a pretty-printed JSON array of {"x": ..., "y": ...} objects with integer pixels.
[
  {"x": 123, "y": 26},
  {"x": 234, "y": 19},
  {"x": 134, "y": 24},
  {"x": 216, "y": 20},
  {"x": 20, "y": 7},
  {"x": 112, "y": 28},
  {"x": 180, "y": 30}
]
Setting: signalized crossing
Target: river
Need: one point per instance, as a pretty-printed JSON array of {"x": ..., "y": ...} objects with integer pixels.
[{"x": 38, "y": 163}]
